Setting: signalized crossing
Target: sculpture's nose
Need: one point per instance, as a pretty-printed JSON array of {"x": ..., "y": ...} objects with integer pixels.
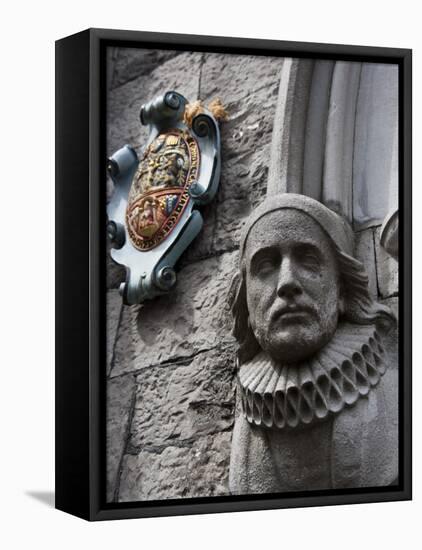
[{"x": 288, "y": 283}]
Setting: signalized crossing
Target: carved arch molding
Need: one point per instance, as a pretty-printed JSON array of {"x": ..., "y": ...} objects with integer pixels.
[{"x": 339, "y": 142}]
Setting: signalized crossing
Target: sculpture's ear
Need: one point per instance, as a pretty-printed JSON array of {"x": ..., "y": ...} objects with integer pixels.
[
  {"x": 357, "y": 305},
  {"x": 233, "y": 288},
  {"x": 237, "y": 300},
  {"x": 238, "y": 305}
]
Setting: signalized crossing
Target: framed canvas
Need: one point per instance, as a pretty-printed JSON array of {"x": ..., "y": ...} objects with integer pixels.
[{"x": 233, "y": 275}]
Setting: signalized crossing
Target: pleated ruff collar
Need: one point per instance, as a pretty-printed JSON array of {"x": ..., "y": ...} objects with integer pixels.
[{"x": 281, "y": 396}]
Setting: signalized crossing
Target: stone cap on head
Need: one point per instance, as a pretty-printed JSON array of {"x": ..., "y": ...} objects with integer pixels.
[{"x": 337, "y": 228}]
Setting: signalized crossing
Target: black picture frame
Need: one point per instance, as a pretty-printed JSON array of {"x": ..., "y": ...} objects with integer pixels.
[{"x": 80, "y": 273}]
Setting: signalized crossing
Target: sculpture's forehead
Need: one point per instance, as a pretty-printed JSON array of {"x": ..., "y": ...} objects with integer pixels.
[{"x": 284, "y": 227}]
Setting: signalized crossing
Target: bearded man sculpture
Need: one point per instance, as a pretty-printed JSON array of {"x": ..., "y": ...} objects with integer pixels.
[{"x": 317, "y": 389}]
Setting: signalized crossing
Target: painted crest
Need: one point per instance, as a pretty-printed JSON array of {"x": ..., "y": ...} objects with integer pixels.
[
  {"x": 160, "y": 188},
  {"x": 152, "y": 214}
]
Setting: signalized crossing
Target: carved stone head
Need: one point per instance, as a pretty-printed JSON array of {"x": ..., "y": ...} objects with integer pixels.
[
  {"x": 292, "y": 285},
  {"x": 297, "y": 279}
]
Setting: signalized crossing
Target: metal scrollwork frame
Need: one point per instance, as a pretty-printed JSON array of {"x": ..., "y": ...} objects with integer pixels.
[{"x": 152, "y": 273}]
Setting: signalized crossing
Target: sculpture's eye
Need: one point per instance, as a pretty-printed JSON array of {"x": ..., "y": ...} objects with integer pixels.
[
  {"x": 309, "y": 257},
  {"x": 265, "y": 262},
  {"x": 266, "y": 265}
]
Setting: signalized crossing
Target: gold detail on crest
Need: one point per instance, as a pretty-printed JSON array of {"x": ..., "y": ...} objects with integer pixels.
[
  {"x": 172, "y": 140},
  {"x": 165, "y": 164},
  {"x": 159, "y": 191}
]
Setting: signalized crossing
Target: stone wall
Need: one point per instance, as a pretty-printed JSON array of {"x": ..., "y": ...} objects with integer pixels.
[{"x": 170, "y": 362}]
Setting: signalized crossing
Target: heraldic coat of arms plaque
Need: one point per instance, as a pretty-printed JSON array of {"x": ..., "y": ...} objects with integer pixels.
[{"x": 152, "y": 213}]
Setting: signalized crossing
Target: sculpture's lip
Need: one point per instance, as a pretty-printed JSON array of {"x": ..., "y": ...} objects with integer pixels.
[
  {"x": 294, "y": 313},
  {"x": 291, "y": 312}
]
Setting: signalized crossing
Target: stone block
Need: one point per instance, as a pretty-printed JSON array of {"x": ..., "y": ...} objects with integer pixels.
[
  {"x": 236, "y": 76},
  {"x": 129, "y": 63},
  {"x": 202, "y": 246},
  {"x": 179, "y": 402},
  {"x": 245, "y": 152},
  {"x": 198, "y": 469},
  {"x": 180, "y": 73},
  {"x": 120, "y": 399},
  {"x": 365, "y": 252},
  {"x": 113, "y": 309},
  {"x": 192, "y": 318},
  {"x": 243, "y": 185},
  {"x": 249, "y": 126},
  {"x": 387, "y": 269}
]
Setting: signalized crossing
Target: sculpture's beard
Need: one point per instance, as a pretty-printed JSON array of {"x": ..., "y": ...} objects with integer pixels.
[
  {"x": 295, "y": 333},
  {"x": 276, "y": 395}
]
